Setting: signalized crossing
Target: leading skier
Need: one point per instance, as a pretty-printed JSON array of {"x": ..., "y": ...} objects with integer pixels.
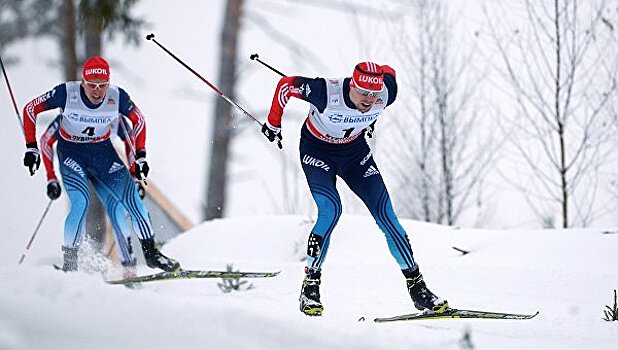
[{"x": 332, "y": 143}]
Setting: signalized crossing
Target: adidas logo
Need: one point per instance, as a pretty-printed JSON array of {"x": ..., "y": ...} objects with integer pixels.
[
  {"x": 371, "y": 171},
  {"x": 115, "y": 167}
]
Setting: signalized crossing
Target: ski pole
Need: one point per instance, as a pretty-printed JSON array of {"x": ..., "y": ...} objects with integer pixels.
[
  {"x": 257, "y": 58},
  {"x": 224, "y": 96},
  {"x": 8, "y": 85},
  {"x": 35, "y": 232}
]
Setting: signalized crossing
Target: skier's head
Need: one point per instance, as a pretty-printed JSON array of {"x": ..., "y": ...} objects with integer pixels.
[
  {"x": 368, "y": 77},
  {"x": 95, "y": 78},
  {"x": 95, "y": 68},
  {"x": 366, "y": 82}
]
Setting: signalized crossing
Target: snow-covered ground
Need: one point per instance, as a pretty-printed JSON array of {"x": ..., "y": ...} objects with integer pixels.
[{"x": 567, "y": 275}]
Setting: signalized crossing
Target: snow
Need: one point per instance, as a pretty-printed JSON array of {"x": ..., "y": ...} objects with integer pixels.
[{"x": 567, "y": 275}]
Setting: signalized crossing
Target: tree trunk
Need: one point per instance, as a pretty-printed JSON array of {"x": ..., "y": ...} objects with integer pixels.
[
  {"x": 93, "y": 41},
  {"x": 67, "y": 46},
  {"x": 222, "y": 133}
]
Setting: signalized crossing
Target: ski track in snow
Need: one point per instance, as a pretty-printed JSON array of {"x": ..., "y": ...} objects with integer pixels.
[{"x": 567, "y": 275}]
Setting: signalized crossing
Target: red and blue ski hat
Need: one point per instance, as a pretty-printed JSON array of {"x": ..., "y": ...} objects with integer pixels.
[
  {"x": 368, "y": 76},
  {"x": 95, "y": 68}
]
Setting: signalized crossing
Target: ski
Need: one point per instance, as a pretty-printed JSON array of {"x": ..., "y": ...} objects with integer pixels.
[
  {"x": 188, "y": 274},
  {"x": 457, "y": 313}
]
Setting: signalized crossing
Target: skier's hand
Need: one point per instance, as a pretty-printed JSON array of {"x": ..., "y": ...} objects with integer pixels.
[
  {"x": 141, "y": 165},
  {"x": 272, "y": 133},
  {"x": 369, "y": 130},
  {"x": 141, "y": 190},
  {"x": 53, "y": 189},
  {"x": 32, "y": 158}
]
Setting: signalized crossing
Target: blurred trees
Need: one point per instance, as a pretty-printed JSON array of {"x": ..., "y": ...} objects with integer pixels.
[
  {"x": 222, "y": 131},
  {"x": 440, "y": 150},
  {"x": 558, "y": 60},
  {"x": 560, "y": 67},
  {"x": 70, "y": 23}
]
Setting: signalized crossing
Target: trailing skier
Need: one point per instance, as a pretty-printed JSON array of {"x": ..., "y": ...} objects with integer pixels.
[{"x": 89, "y": 110}]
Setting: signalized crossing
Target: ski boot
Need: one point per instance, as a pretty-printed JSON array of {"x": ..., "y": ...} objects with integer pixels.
[
  {"x": 156, "y": 260},
  {"x": 422, "y": 297},
  {"x": 310, "y": 294},
  {"x": 70, "y": 259}
]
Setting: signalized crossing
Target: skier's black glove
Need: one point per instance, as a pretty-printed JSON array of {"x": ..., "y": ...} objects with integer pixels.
[
  {"x": 32, "y": 158},
  {"x": 141, "y": 191},
  {"x": 272, "y": 133},
  {"x": 53, "y": 189},
  {"x": 141, "y": 165},
  {"x": 369, "y": 130}
]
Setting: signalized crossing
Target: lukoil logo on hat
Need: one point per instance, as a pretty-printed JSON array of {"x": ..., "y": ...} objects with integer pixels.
[
  {"x": 368, "y": 76},
  {"x": 95, "y": 68}
]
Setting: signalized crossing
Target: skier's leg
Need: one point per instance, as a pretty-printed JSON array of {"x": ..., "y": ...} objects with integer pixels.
[
  {"x": 119, "y": 185},
  {"x": 117, "y": 216},
  {"x": 367, "y": 183},
  {"x": 321, "y": 178},
  {"x": 321, "y": 181},
  {"x": 75, "y": 183},
  {"x": 118, "y": 182},
  {"x": 79, "y": 198},
  {"x": 363, "y": 177}
]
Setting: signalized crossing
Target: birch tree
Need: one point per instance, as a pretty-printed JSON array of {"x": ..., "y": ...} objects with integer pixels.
[
  {"x": 559, "y": 63},
  {"x": 443, "y": 151}
]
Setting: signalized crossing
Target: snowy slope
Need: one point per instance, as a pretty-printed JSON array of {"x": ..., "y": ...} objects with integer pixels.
[{"x": 568, "y": 275}]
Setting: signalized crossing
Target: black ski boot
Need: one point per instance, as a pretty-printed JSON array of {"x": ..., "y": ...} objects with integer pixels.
[
  {"x": 310, "y": 294},
  {"x": 422, "y": 297},
  {"x": 155, "y": 259},
  {"x": 70, "y": 259}
]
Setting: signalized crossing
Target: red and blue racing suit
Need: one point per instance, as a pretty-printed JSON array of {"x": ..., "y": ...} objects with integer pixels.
[{"x": 332, "y": 144}]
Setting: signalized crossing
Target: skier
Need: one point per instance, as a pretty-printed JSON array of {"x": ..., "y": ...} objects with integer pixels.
[
  {"x": 115, "y": 210},
  {"x": 85, "y": 152},
  {"x": 341, "y": 111}
]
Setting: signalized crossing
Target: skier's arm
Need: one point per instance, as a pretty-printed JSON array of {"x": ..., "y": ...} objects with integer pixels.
[
  {"x": 130, "y": 110},
  {"x": 306, "y": 89},
  {"x": 129, "y": 144},
  {"x": 47, "y": 149},
  {"x": 55, "y": 98}
]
